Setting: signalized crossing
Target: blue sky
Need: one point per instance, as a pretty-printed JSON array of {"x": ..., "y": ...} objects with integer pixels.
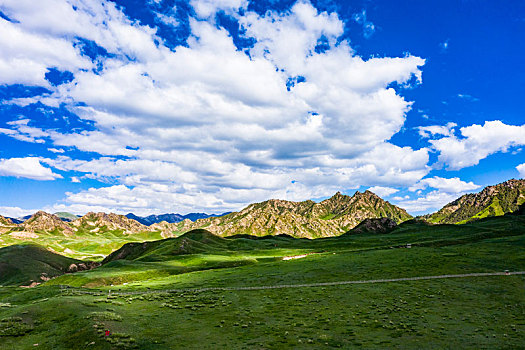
[{"x": 182, "y": 106}]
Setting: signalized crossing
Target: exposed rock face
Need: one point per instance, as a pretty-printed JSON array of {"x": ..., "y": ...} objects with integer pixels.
[
  {"x": 6, "y": 222},
  {"x": 495, "y": 200},
  {"x": 83, "y": 266},
  {"x": 45, "y": 222},
  {"x": 308, "y": 219},
  {"x": 376, "y": 225},
  {"x": 166, "y": 228},
  {"x": 96, "y": 221}
]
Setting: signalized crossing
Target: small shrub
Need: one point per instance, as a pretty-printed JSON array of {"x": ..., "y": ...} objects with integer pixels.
[
  {"x": 13, "y": 327},
  {"x": 104, "y": 316}
]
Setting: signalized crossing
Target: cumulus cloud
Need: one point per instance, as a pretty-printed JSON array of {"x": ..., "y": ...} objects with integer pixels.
[
  {"x": 210, "y": 121},
  {"x": 207, "y": 8},
  {"x": 433, "y": 200},
  {"x": 383, "y": 191},
  {"x": 521, "y": 170},
  {"x": 477, "y": 142},
  {"x": 437, "y": 130},
  {"x": 452, "y": 185},
  {"x": 16, "y": 212},
  {"x": 29, "y": 167}
]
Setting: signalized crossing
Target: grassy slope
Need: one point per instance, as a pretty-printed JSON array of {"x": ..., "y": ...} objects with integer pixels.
[
  {"x": 20, "y": 264},
  {"x": 488, "y": 312},
  {"x": 83, "y": 244}
]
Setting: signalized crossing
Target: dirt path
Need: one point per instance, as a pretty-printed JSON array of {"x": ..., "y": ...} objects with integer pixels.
[{"x": 305, "y": 285}]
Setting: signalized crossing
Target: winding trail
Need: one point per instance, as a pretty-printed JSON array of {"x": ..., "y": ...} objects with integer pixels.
[{"x": 304, "y": 285}]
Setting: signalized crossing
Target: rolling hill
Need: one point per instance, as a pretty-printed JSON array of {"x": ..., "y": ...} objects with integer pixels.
[
  {"x": 25, "y": 264},
  {"x": 495, "y": 200}
]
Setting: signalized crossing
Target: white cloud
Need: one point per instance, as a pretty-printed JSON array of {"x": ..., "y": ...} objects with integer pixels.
[
  {"x": 433, "y": 130},
  {"x": 468, "y": 97},
  {"x": 208, "y": 120},
  {"x": 521, "y": 170},
  {"x": 25, "y": 57},
  {"x": 16, "y": 212},
  {"x": 383, "y": 191},
  {"x": 368, "y": 27},
  {"x": 432, "y": 201},
  {"x": 478, "y": 142},
  {"x": 452, "y": 185},
  {"x": 29, "y": 167},
  {"x": 207, "y": 8},
  {"x": 444, "y": 45}
]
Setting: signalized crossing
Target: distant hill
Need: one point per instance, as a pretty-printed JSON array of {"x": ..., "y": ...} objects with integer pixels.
[
  {"x": 308, "y": 219},
  {"x": 25, "y": 264},
  {"x": 65, "y": 216},
  {"x": 495, "y": 200},
  {"x": 170, "y": 218},
  {"x": 6, "y": 224},
  {"x": 5, "y": 221},
  {"x": 101, "y": 222}
]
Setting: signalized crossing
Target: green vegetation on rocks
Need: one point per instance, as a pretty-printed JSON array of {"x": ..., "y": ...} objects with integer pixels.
[
  {"x": 331, "y": 217},
  {"x": 495, "y": 200}
]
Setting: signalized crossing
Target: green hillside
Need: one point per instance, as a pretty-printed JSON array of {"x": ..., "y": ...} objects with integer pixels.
[
  {"x": 23, "y": 264},
  {"x": 146, "y": 290},
  {"x": 278, "y": 292},
  {"x": 491, "y": 201},
  {"x": 65, "y": 216}
]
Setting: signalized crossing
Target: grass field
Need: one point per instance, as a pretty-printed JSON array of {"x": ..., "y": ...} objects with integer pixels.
[{"x": 473, "y": 312}]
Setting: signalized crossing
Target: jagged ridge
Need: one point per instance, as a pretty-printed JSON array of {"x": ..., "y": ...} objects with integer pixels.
[
  {"x": 308, "y": 219},
  {"x": 97, "y": 221},
  {"x": 494, "y": 200}
]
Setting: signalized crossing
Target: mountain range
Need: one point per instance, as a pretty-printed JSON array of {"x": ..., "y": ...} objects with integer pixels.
[
  {"x": 307, "y": 219},
  {"x": 169, "y": 218}
]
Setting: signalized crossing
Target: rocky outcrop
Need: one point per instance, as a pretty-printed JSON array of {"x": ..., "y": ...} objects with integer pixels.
[
  {"x": 6, "y": 225},
  {"x": 45, "y": 222},
  {"x": 95, "y": 222},
  {"x": 166, "y": 229},
  {"x": 376, "y": 225},
  {"x": 83, "y": 266},
  {"x": 6, "y": 221},
  {"x": 495, "y": 200}
]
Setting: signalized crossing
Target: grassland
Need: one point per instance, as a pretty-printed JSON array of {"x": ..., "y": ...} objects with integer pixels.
[
  {"x": 474, "y": 312},
  {"x": 84, "y": 244}
]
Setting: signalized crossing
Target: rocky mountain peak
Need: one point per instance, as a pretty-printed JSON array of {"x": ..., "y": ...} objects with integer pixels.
[
  {"x": 331, "y": 217},
  {"x": 494, "y": 200},
  {"x": 42, "y": 221},
  {"x": 111, "y": 221}
]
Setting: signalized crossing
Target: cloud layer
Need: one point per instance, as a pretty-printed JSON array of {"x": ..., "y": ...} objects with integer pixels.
[{"x": 208, "y": 125}]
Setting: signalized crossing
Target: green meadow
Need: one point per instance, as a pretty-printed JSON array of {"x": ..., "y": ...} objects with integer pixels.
[{"x": 160, "y": 294}]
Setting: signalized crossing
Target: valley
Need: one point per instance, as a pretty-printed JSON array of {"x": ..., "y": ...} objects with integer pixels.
[{"x": 195, "y": 291}]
